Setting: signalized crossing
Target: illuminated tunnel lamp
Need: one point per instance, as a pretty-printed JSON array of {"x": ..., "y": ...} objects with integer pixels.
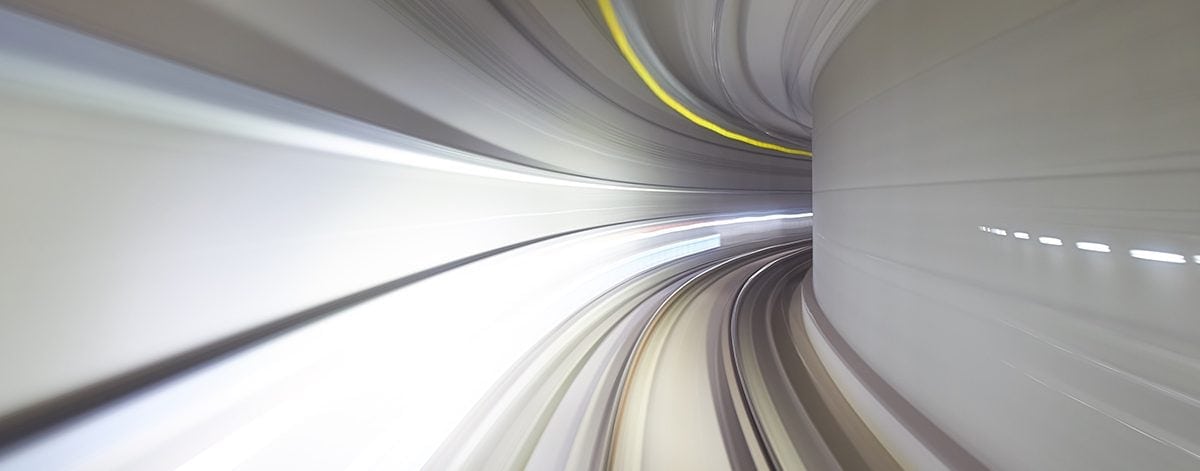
[
  {"x": 1156, "y": 256},
  {"x": 1021, "y": 235},
  {"x": 1196, "y": 258},
  {"x": 1050, "y": 240},
  {"x": 1093, "y": 247},
  {"x": 999, "y": 232}
]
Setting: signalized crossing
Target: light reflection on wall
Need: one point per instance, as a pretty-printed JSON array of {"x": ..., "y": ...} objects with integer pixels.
[
  {"x": 1097, "y": 247},
  {"x": 1154, "y": 255}
]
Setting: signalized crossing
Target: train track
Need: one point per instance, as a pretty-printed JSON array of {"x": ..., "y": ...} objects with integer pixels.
[{"x": 698, "y": 364}]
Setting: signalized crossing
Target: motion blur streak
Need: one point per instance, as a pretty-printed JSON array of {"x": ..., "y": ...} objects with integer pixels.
[
  {"x": 618, "y": 33},
  {"x": 546, "y": 234}
]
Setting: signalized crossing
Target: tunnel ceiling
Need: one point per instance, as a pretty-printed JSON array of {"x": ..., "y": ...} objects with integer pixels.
[
  {"x": 536, "y": 82},
  {"x": 753, "y": 84},
  {"x": 746, "y": 66},
  {"x": 749, "y": 64}
]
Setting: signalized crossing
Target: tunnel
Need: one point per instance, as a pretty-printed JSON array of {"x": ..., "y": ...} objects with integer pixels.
[{"x": 600, "y": 234}]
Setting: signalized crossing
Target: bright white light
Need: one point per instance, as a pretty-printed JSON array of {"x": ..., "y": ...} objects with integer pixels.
[
  {"x": 999, "y": 232},
  {"x": 1158, "y": 256},
  {"x": 1021, "y": 235},
  {"x": 1093, "y": 247},
  {"x": 677, "y": 250},
  {"x": 1050, "y": 240},
  {"x": 984, "y": 229},
  {"x": 721, "y": 222},
  {"x": 1196, "y": 258}
]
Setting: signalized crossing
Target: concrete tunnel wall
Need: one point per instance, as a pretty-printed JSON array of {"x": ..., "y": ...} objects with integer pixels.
[{"x": 1075, "y": 120}]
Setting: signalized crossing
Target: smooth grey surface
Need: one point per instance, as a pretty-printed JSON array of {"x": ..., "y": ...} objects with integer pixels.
[{"x": 1074, "y": 120}]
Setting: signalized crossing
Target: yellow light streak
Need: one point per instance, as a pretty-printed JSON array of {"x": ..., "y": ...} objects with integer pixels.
[{"x": 614, "y": 27}]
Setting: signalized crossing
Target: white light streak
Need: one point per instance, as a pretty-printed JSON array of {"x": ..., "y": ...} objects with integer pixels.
[
  {"x": 722, "y": 222},
  {"x": 1050, "y": 240},
  {"x": 1021, "y": 235},
  {"x": 999, "y": 232},
  {"x": 136, "y": 99},
  {"x": 1156, "y": 256},
  {"x": 1093, "y": 247}
]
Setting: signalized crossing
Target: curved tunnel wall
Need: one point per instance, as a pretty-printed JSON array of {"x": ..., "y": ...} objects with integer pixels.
[
  {"x": 178, "y": 207},
  {"x": 946, "y": 129}
]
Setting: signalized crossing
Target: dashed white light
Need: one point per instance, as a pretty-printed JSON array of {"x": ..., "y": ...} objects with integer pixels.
[
  {"x": 1093, "y": 247},
  {"x": 1050, "y": 240},
  {"x": 1152, "y": 255},
  {"x": 1158, "y": 256}
]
